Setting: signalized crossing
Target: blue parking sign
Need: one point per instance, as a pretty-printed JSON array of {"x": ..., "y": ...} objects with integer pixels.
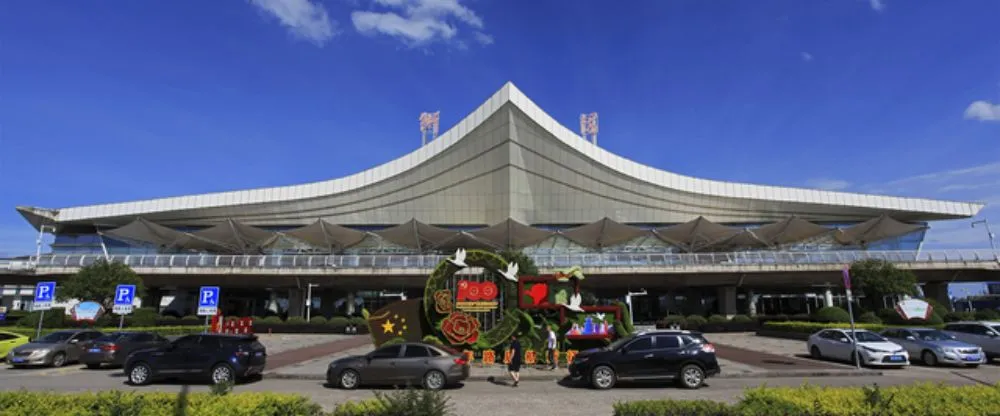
[
  {"x": 124, "y": 298},
  {"x": 208, "y": 300},
  {"x": 45, "y": 294}
]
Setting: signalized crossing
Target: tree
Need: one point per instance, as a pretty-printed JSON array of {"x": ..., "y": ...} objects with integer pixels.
[
  {"x": 877, "y": 279},
  {"x": 97, "y": 283},
  {"x": 525, "y": 264}
]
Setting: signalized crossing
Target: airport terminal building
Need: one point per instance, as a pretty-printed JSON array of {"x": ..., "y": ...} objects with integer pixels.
[{"x": 507, "y": 177}]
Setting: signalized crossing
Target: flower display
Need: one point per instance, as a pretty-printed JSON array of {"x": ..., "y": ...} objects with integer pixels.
[
  {"x": 570, "y": 355},
  {"x": 489, "y": 357},
  {"x": 530, "y": 357},
  {"x": 442, "y": 302},
  {"x": 460, "y": 328}
]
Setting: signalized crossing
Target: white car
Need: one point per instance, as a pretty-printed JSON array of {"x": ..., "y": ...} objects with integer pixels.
[{"x": 873, "y": 349}]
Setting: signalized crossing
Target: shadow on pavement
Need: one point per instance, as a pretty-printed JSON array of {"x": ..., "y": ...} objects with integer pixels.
[
  {"x": 455, "y": 386},
  {"x": 635, "y": 385}
]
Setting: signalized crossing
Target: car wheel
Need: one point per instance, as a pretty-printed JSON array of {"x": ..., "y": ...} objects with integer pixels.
[
  {"x": 929, "y": 358},
  {"x": 692, "y": 376},
  {"x": 93, "y": 366},
  {"x": 350, "y": 380},
  {"x": 223, "y": 373},
  {"x": 140, "y": 374},
  {"x": 59, "y": 359},
  {"x": 434, "y": 380},
  {"x": 603, "y": 377},
  {"x": 814, "y": 353}
]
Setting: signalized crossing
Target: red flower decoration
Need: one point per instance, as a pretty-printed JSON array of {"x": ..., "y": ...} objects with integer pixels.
[{"x": 460, "y": 328}]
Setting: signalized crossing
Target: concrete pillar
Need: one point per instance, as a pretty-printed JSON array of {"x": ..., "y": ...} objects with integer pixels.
[
  {"x": 938, "y": 292},
  {"x": 727, "y": 301},
  {"x": 296, "y": 303},
  {"x": 828, "y": 298}
]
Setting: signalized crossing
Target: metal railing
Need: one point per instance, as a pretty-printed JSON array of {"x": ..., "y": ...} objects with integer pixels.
[{"x": 408, "y": 261}]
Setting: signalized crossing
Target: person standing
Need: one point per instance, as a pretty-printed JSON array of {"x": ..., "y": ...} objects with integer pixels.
[
  {"x": 514, "y": 367},
  {"x": 551, "y": 345}
]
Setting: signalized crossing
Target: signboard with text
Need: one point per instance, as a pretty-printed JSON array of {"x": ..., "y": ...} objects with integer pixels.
[
  {"x": 45, "y": 294},
  {"x": 208, "y": 300},
  {"x": 124, "y": 299}
]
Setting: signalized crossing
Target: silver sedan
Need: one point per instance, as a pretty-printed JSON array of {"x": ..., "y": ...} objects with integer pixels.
[
  {"x": 936, "y": 347},
  {"x": 55, "y": 349}
]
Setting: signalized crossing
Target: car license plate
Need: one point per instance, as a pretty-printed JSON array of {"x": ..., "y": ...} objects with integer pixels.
[
  {"x": 17, "y": 360},
  {"x": 259, "y": 353},
  {"x": 94, "y": 350},
  {"x": 972, "y": 358},
  {"x": 897, "y": 358}
]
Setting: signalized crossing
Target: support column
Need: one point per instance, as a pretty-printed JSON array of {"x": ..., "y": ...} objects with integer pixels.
[
  {"x": 752, "y": 303},
  {"x": 296, "y": 303},
  {"x": 938, "y": 292},
  {"x": 828, "y": 298},
  {"x": 727, "y": 301},
  {"x": 350, "y": 303}
]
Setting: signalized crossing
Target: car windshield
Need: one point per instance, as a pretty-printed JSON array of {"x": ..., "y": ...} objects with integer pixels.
[
  {"x": 933, "y": 335},
  {"x": 621, "y": 341},
  {"x": 112, "y": 337},
  {"x": 868, "y": 337},
  {"x": 55, "y": 337},
  {"x": 996, "y": 328}
]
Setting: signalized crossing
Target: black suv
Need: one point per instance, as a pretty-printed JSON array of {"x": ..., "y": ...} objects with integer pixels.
[
  {"x": 684, "y": 356},
  {"x": 219, "y": 358}
]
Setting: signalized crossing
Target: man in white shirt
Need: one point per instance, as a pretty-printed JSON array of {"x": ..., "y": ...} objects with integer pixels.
[{"x": 551, "y": 345}]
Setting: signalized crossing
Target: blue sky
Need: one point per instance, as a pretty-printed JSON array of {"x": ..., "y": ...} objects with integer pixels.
[{"x": 105, "y": 101}]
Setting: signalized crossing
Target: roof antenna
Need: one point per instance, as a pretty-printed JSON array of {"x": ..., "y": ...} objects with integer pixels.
[
  {"x": 429, "y": 123},
  {"x": 588, "y": 126}
]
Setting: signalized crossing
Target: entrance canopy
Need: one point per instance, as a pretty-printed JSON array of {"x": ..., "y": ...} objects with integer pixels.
[
  {"x": 603, "y": 233},
  {"x": 331, "y": 236},
  {"x": 875, "y": 229}
]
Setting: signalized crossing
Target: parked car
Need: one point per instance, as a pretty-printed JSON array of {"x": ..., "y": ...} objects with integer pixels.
[
  {"x": 216, "y": 357},
  {"x": 10, "y": 340},
  {"x": 936, "y": 347},
  {"x": 683, "y": 356},
  {"x": 113, "y": 348},
  {"x": 55, "y": 349},
  {"x": 873, "y": 349},
  {"x": 431, "y": 366},
  {"x": 985, "y": 334}
]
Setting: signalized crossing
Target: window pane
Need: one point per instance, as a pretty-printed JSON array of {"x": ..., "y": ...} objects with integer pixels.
[
  {"x": 415, "y": 351},
  {"x": 641, "y": 344},
  {"x": 387, "y": 352},
  {"x": 667, "y": 341}
]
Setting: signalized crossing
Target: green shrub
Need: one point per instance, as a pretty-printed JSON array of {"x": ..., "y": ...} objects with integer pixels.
[
  {"x": 741, "y": 319},
  {"x": 668, "y": 321},
  {"x": 338, "y": 321},
  {"x": 869, "y": 318},
  {"x": 317, "y": 320},
  {"x": 959, "y": 316},
  {"x": 409, "y": 402},
  {"x": 142, "y": 317},
  {"x": 911, "y": 400},
  {"x": 295, "y": 320},
  {"x": 717, "y": 319},
  {"x": 271, "y": 320},
  {"x": 155, "y": 404},
  {"x": 357, "y": 321},
  {"x": 168, "y": 319},
  {"x": 192, "y": 319},
  {"x": 695, "y": 321},
  {"x": 831, "y": 314},
  {"x": 162, "y": 330},
  {"x": 811, "y": 327},
  {"x": 987, "y": 315},
  {"x": 801, "y": 317},
  {"x": 54, "y": 318}
]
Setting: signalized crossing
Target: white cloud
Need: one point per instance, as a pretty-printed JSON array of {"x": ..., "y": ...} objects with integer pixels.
[
  {"x": 877, "y": 5},
  {"x": 983, "y": 111},
  {"x": 306, "y": 19},
  {"x": 828, "y": 184},
  {"x": 420, "y": 22},
  {"x": 806, "y": 56},
  {"x": 947, "y": 180}
]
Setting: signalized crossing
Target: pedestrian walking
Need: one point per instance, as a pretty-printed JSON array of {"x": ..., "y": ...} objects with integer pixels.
[
  {"x": 552, "y": 344},
  {"x": 514, "y": 367}
]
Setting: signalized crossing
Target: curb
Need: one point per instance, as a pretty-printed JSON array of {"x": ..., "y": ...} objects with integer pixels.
[{"x": 562, "y": 376}]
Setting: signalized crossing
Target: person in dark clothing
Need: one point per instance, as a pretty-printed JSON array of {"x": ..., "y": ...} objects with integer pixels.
[{"x": 514, "y": 367}]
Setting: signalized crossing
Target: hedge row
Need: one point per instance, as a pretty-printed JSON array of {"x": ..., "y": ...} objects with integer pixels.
[
  {"x": 162, "y": 330},
  {"x": 155, "y": 404},
  {"x": 811, "y": 327},
  {"x": 915, "y": 400}
]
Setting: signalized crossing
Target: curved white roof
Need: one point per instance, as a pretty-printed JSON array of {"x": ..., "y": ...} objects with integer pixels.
[{"x": 508, "y": 95}]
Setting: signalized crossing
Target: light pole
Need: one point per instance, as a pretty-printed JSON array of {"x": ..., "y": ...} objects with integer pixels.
[
  {"x": 628, "y": 300},
  {"x": 989, "y": 233},
  {"x": 309, "y": 300},
  {"x": 38, "y": 242}
]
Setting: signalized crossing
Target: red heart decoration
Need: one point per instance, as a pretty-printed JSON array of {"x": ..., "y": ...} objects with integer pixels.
[{"x": 539, "y": 293}]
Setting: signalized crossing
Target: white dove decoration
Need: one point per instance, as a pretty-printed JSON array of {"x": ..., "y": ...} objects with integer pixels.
[
  {"x": 511, "y": 272},
  {"x": 600, "y": 317},
  {"x": 459, "y": 259},
  {"x": 574, "y": 303}
]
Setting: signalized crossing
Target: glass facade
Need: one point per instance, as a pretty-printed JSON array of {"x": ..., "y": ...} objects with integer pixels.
[{"x": 91, "y": 244}]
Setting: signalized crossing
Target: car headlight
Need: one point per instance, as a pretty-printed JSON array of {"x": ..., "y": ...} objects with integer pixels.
[{"x": 39, "y": 352}]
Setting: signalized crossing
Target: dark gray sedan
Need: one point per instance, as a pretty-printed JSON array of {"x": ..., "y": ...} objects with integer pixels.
[
  {"x": 431, "y": 366},
  {"x": 112, "y": 349},
  {"x": 55, "y": 349}
]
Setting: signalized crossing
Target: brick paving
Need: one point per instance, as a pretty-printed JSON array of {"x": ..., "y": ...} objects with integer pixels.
[{"x": 298, "y": 355}]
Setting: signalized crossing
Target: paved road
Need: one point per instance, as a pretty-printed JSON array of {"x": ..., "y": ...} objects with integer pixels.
[{"x": 532, "y": 397}]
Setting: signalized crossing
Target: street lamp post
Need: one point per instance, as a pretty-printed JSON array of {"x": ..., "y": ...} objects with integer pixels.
[
  {"x": 990, "y": 235},
  {"x": 628, "y": 301},
  {"x": 38, "y": 242},
  {"x": 309, "y": 300}
]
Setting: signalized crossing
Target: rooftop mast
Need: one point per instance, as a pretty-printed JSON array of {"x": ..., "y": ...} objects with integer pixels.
[{"x": 429, "y": 123}]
